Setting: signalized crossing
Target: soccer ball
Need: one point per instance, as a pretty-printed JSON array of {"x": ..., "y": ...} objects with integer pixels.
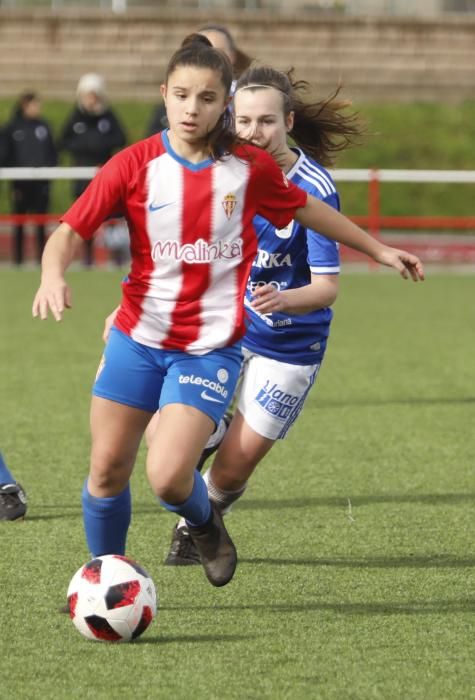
[{"x": 112, "y": 599}]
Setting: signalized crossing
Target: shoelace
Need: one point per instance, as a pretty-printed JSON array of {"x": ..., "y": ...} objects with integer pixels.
[
  {"x": 183, "y": 539},
  {"x": 183, "y": 544}
]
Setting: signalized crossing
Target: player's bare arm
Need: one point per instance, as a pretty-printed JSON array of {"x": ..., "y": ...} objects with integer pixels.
[
  {"x": 54, "y": 293},
  {"x": 320, "y": 217},
  {"x": 319, "y": 294}
]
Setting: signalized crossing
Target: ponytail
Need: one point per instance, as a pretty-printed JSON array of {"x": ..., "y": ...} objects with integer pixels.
[{"x": 321, "y": 128}]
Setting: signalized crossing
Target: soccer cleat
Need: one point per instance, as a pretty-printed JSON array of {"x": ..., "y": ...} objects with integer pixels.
[
  {"x": 12, "y": 502},
  {"x": 182, "y": 549},
  {"x": 216, "y": 549},
  {"x": 208, "y": 451}
]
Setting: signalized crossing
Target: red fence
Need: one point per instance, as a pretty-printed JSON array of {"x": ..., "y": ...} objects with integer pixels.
[{"x": 431, "y": 246}]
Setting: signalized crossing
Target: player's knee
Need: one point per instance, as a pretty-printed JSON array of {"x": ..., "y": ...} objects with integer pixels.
[
  {"x": 167, "y": 484},
  {"x": 169, "y": 490},
  {"x": 107, "y": 481},
  {"x": 108, "y": 471},
  {"x": 171, "y": 494}
]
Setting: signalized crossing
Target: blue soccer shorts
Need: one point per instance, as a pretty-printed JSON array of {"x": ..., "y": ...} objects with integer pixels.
[{"x": 147, "y": 378}]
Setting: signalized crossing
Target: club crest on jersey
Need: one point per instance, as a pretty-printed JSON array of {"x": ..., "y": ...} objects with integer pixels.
[{"x": 229, "y": 204}]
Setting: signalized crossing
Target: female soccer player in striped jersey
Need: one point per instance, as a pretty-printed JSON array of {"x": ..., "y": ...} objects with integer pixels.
[{"x": 189, "y": 195}]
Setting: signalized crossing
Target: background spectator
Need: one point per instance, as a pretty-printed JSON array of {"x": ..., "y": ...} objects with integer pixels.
[
  {"x": 3, "y": 146},
  {"x": 91, "y": 134},
  {"x": 28, "y": 142}
]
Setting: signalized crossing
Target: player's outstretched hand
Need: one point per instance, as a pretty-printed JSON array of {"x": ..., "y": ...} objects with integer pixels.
[
  {"x": 407, "y": 264},
  {"x": 53, "y": 295}
]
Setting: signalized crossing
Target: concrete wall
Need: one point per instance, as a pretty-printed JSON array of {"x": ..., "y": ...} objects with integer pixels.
[{"x": 378, "y": 59}]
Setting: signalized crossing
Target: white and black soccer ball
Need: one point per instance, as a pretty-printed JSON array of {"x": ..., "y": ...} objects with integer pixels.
[{"x": 112, "y": 599}]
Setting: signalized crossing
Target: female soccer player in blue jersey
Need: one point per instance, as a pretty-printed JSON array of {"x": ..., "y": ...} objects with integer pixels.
[
  {"x": 292, "y": 285},
  {"x": 190, "y": 195},
  {"x": 294, "y": 278}
]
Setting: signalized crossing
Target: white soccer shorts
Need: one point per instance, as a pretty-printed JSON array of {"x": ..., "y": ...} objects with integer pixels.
[{"x": 272, "y": 393}]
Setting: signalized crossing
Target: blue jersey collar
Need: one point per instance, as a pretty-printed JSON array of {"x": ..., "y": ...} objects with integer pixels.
[
  {"x": 297, "y": 164},
  {"x": 186, "y": 163}
]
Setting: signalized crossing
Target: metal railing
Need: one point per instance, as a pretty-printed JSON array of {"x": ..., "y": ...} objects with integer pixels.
[
  {"x": 432, "y": 248},
  {"x": 374, "y": 221}
]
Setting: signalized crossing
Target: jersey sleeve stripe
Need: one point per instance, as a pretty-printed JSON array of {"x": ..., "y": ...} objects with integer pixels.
[
  {"x": 316, "y": 179},
  {"x": 317, "y": 270},
  {"x": 319, "y": 173}
]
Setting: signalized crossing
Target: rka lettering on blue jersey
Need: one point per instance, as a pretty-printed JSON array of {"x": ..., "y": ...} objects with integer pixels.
[{"x": 286, "y": 258}]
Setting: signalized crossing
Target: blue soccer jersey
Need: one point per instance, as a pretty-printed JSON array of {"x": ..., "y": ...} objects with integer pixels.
[{"x": 287, "y": 258}]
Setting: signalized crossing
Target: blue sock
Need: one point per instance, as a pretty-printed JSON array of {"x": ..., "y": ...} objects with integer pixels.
[
  {"x": 106, "y": 521},
  {"x": 5, "y": 474},
  {"x": 196, "y": 509}
]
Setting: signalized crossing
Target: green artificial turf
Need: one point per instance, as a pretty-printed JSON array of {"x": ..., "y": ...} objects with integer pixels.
[{"x": 356, "y": 536}]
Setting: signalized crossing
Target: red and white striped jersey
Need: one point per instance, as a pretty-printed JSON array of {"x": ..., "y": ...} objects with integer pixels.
[{"x": 192, "y": 237}]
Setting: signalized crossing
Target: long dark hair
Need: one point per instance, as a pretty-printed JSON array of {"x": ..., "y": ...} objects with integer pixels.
[
  {"x": 323, "y": 128},
  {"x": 241, "y": 59},
  {"x": 197, "y": 51}
]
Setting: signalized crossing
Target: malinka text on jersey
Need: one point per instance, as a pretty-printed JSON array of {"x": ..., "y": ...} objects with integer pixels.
[{"x": 198, "y": 252}]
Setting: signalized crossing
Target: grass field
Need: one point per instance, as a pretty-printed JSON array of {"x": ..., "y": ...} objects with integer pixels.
[{"x": 356, "y": 536}]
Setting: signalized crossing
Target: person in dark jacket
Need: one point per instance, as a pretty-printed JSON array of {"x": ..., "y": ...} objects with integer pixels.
[
  {"x": 91, "y": 134},
  {"x": 28, "y": 142},
  {"x": 3, "y": 147}
]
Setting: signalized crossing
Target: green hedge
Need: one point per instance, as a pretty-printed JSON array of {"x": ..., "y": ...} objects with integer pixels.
[{"x": 406, "y": 136}]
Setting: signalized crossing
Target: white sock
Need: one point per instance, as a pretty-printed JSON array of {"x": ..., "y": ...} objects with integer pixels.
[{"x": 223, "y": 499}]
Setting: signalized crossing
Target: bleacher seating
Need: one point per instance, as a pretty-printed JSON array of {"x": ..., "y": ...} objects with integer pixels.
[{"x": 375, "y": 58}]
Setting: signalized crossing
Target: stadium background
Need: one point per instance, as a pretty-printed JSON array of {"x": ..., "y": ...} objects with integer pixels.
[
  {"x": 408, "y": 67},
  {"x": 378, "y": 58},
  {"x": 389, "y": 56},
  {"x": 356, "y": 537}
]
